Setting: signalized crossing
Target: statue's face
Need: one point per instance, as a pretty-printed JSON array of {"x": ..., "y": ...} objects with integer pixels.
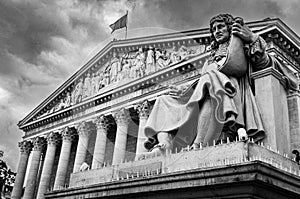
[{"x": 220, "y": 32}]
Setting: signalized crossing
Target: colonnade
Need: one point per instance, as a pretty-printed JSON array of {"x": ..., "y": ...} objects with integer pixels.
[{"x": 36, "y": 147}]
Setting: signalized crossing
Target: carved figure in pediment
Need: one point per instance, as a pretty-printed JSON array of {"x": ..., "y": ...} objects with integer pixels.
[
  {"x": 167, "y": 58},
  {"x": 183, "y": 52},
  {"x": 68, "y": 99},
  {"x": 95, "y": 83},
  {"x": 100, "y": 80},
  {"x": 150, "y": 61},
  {"x": 140, "y": 63},
  {"x": 62, "y": 104},
  {"x": 115, "y": 68},
  {"x": 199, "y": 49},
  {"x": 159, "y": 59},
  {"x": 133, "y": 73},
  {"x": 162, "y": 58},
  {"x": 44, "y": 114},
  {"x": 174, "y": 55},
  {"x": 78, "y": 92},
  {"x": 126, "y": 69},
  {"x": 55, "y": 107},
  {"x": 106, "y": 78},
  {"x": 87, "y": 86}
]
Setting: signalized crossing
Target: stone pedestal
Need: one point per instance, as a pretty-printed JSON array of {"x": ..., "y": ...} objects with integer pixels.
[
  {"x": 63, "y": 163},
  {"x": 84, "y": 130},
  {"x": 122, "y": 118},
  {"x": 52, "y": 141},
  {"x": 100, "y": 145},
  {"x": 38, "y": 145},
  {"x": 143, "y": 111},
  {"x": 294, "y": 119},
  {"x": 25, "y": 149},
  {"x": 271, "y": 96}
]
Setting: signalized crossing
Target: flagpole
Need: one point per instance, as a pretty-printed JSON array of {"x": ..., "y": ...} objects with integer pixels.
[{"x": 126, "y": 24}]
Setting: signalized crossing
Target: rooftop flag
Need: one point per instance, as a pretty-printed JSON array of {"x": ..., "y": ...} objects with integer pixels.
[{"x": 120, "y": 23}]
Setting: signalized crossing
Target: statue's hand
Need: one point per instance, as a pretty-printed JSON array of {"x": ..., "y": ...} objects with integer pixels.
[
  {"x": 244, "y": 33},
  {"x": 175, "y": 91}
]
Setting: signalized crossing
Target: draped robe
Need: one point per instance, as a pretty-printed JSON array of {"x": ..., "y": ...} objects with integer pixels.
[{"x": 230, "y": 99}]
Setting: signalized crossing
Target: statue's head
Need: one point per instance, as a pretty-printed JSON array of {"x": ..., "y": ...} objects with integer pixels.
[{"x": 220, "y": 29}]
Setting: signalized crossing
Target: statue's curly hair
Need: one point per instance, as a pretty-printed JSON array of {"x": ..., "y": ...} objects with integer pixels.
[{"x": 228, "y": 19}]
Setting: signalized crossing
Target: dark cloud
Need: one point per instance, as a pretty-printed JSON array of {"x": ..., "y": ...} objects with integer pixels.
[{"x": 190, "y": 14}]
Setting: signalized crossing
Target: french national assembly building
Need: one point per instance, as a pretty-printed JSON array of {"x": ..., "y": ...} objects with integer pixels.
[{"x": 87, "y": 139}]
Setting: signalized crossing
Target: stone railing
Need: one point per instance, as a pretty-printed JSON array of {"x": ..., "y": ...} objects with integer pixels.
[{"x": 217, "y": 156}]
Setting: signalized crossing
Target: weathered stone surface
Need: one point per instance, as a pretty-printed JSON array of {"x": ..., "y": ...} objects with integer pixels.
[
  {"x": 272, "y": 100},
  {"x": 294, "y": 120}
]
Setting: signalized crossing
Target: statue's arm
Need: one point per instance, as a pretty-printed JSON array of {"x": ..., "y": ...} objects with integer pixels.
[
  {"x": 255, "y": 44},
  {"x": 258, "y": 55},
  {"x": 260, "y": 59}
]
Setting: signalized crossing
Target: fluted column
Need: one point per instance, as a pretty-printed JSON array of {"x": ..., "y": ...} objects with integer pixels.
[
  {"x": 143, "y": 110},
  {"x": 25, "y": 149},
  {"x": 122, "y": 118},
  {"x": 52, "y": 140},
  {"x": 38, "y": 144},
  {"x": 84, "y": 130},
  {"x": 63, "y": 162},
  {"x": 100, "y": 144}
]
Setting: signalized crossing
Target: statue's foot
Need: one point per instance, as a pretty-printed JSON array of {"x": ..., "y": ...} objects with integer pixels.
[
  {"x": 157, "y": 150},
  {"x": 141, "y": 156}
]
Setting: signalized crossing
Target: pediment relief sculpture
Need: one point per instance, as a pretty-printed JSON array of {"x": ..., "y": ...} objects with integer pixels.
[{"x": 125, "y": 67}]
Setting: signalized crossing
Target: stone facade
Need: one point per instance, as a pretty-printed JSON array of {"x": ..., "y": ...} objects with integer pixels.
[{"x": 91, "y": 129}]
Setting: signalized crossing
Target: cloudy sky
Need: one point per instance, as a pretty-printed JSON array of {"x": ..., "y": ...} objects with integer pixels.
[{"x": 43, "y": 42}]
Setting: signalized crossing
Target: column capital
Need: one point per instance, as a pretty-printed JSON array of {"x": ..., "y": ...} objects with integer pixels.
[
  {"x": 122, "y": 116},
  {"x": 39, "y": 143},
  {"x": 53, "y": 138},
  {"x": 101, "y": 122},
  {"x": 67, "y": 134},
  {"x": 143, "y": 109},
  {"x": 25, "y": 146},
  {"x": 84, "y": 128}
]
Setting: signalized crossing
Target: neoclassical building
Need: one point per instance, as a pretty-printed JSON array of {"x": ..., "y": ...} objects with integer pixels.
[{"x": 86, "y": 137}]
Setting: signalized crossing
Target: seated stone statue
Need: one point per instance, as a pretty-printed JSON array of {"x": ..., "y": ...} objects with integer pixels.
[{"x": 221, "y": 100}]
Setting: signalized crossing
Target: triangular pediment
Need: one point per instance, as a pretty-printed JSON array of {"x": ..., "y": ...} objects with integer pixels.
[{"x": 125, "y": 61}]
